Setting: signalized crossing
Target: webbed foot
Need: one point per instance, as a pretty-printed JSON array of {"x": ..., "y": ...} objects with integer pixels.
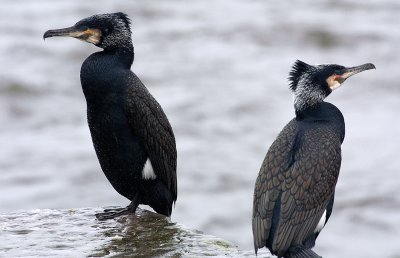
[{"x": 116, "y": 212}]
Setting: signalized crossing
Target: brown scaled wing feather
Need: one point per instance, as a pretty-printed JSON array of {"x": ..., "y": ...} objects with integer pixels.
[
  {"x": 154, "y": 131},
  {"x": 303, "y": 174}
]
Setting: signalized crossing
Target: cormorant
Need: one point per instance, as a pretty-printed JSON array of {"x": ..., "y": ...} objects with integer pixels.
[
  {"x": 295, "y": 188},
  {"x": 132, "y": 137}
]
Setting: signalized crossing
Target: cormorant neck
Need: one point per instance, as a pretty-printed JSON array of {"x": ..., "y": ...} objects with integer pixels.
[
  {"x": 321, "y": 111},
  {"x": 308, "y": 92},
  {"x": 304, "y": 110},
  {"x": 303, "y": 102},
  {"x": 308, "y": 95},
  {"x": 124, "y": 54}
]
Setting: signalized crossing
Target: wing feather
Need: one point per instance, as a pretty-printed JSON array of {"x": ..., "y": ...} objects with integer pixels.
[
  {"x": 150, "y": 124},
  {"x": 302, "y": 170}
]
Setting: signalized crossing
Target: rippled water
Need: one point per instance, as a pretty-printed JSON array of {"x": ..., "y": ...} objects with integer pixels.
[
  {"x": 219, "y": 70},
  {"x": 76, "y": 233}
]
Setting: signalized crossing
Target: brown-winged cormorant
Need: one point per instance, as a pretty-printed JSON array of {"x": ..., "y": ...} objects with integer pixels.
[
  {"x": 294, "y": 191},
  {"x": 133, "y": 139}
]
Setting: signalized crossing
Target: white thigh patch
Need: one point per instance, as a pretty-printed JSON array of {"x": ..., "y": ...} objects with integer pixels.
[
  {"x": 148, "y": 172},
  {"x": 321, "y": 223}
]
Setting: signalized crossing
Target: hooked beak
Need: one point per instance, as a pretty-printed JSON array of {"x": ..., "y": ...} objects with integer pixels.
[
  {"x": 354, "y": 70},
  {"x": 86, "y": 34},
  {"x": 334, "y": 81}
]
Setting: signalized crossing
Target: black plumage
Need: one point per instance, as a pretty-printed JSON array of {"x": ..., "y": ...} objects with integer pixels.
[
  {"x": 133, "y": 139},
  {"x": 294, "y": 191}
]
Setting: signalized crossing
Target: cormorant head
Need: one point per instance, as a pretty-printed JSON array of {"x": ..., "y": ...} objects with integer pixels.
[
  {"x": 107, "y": 31},
  {"x": 312, "y": 84}
]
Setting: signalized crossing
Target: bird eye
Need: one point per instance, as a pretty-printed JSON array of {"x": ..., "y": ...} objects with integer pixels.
[
  {"x": 339, "y": 72},
  {"x": 83, "y": 28}
]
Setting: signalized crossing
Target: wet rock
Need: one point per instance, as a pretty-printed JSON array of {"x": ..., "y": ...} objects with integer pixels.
[{"x": 77, "y": 233}]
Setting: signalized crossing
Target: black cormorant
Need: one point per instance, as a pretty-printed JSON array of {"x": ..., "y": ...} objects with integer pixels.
[
  {"x": 133, "y": 139},
  {"x": 294, "y": 191}
]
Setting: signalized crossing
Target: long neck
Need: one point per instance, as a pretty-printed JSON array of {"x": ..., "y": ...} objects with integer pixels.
[
  {"x": 308, "y": 94},
  {"x": 100, "y": 70},
  {"x": 123, "y": 55},
  {"x": 305, "y": 100}
]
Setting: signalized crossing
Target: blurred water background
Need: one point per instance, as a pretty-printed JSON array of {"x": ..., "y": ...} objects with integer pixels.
[{"x": 219, "y": 69}]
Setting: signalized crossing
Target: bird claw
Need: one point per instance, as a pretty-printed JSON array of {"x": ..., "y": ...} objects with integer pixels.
[
  {"x": 112, "y": 210},
  {"x": 116, "y": 212},
  {"x": 112, "y": 213}
]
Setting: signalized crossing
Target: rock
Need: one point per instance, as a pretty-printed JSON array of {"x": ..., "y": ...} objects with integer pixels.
[{"x": 77, "y": 233}]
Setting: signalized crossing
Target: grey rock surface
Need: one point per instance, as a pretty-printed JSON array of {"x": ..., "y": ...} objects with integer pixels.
[{"x": 77, "y": 233}]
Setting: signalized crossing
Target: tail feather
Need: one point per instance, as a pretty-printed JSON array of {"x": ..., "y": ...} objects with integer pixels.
[{"x": 304, "y": 253}]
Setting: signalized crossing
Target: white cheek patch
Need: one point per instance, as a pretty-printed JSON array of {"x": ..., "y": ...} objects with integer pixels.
[
  {"x": 333, "y": 83},
  {"x": 90, "y": 35},
  {"x": 94, "y": 39},
  {"x": 148, "y": 172},
  {"x": 321, "y": 223}
]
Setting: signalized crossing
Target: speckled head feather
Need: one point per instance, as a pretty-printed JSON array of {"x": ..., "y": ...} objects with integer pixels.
[
  {"x": 108, "y": 31},
  {"x": 114, "y": 29},
  {"x": 298, "y": 69},
  {"x": 306, "y": 82},
  {"x": 311, "y": 84}
]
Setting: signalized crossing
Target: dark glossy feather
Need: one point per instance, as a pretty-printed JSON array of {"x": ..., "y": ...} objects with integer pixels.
[
  {"x": 150, "y": 124},
  {"x": 298, "y": 69},
  {"x": 299, "y": 174},
  {"x": 127, "y": 125}
]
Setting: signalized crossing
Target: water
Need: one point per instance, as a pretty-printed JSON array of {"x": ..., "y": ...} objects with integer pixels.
[
  {"x": 219, "y": 70},
  {"x": 76, "y": 233}
]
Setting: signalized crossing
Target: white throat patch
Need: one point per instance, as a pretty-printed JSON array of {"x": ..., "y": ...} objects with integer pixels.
[{"x": 148, "y": 172}]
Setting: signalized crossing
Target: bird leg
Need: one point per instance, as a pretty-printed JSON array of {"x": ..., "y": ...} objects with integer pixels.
[{"x": 113, "y": 213}]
